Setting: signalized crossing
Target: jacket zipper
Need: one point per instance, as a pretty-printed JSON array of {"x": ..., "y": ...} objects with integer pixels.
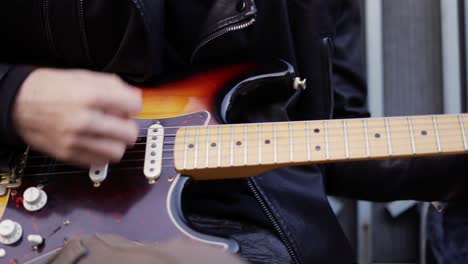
[
  {"x": 220, "y": 33},
  {"x": 84, "y": 36},
  {"x": 273, "y": 221},
  {"x": 48, "y": 29}
]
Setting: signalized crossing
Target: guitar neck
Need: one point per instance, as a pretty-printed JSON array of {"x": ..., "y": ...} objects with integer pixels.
[{"x": 241, "y": 150}]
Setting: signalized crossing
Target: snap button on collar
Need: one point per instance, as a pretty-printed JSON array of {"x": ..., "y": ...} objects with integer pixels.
[{"x": 241, "y": 6}]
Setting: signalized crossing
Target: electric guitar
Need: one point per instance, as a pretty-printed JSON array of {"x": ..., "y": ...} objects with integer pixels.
[{"x": 48, "y": 202}]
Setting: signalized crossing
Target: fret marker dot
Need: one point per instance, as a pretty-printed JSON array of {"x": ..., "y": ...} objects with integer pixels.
[
  {"x": 153, "y": 161},
  {"x": 153, "y": 153},
  {"x": 267, "y": 141},
  {"x": 155, "y": 137},
  {"x": 238, "y": 143},
  {"x": 424, "y": 133},
  {"x": 377, "y": 135},
  {"x": 213, "y": 145},
  {"x": 318, "y": 148},
  {"x": 155, "y": 130},
  {"x": 97, "y": 172},
  {"x": 153, "y": 145},
  {"x": 317, "y": 131},
  {"x": 191, "y": 146}
]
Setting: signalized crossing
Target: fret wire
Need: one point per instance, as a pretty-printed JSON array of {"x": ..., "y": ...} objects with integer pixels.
[
  {"x": 327, "y": 147},
  {"x": 410, "y": 125},
  {"x": 232, "y": 145},
  {"x": 275, "y": 146},
  {"x": 259, "y": 143},
  {"x": 245, "y": 144},
  {"x": 197, "y": 131},
  {"x": 345, "y": 132},
  {"x": 308, "y": 140},
  {"x": 219, "y": 146},
  {"x": 291, "y": 143},
  {"x": 207, "y": 163},
  {"x": 185, "y": 148},
  {"x": 462, "y": 127},
  {"x": 366, "y": 135},
  {"x": 439, "y": 146},
  {"x": 389, "y": 139}
]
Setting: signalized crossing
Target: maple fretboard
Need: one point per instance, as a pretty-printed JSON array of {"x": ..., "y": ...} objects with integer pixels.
[{"x": 240, "y": 150}]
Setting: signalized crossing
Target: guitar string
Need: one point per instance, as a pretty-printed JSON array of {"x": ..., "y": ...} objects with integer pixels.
[
  {"x": 417, "y": 120},
  {"x": 172, "y": 166},
  {"x": 394, "y": 134},
  {"x": 351, "y": 130},
  {"x": 352, "y": 123},
  {"x": 299, "y": 150},
  {"x": 332, "y": 139},
  {"x": 287, "y": 144},
  {"x": 80, "y": 172},
  {"x": 358, "y": 152},
  {"x": 117, "y": 169}
]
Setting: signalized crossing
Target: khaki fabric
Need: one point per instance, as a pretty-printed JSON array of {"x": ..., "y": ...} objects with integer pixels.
[{"x": 108, "y": 248}]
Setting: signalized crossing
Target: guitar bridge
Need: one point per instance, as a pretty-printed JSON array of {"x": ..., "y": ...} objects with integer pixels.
[{"x": 12, "y": 170}]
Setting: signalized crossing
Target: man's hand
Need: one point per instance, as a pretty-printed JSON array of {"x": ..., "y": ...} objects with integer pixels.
[{"x": 77, "y": 116}]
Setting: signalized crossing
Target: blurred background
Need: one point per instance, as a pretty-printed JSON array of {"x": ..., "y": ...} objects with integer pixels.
[{"x": 416, "y": 58}]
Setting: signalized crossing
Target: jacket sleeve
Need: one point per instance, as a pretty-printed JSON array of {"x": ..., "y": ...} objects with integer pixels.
[
  {"x": 11, "y": 79},
  {"x": 423, "y": 179},
  {"x": 350, "y": 91}
]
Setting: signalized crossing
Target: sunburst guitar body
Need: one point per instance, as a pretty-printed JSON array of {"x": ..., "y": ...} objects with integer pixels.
[
  {"x": 128, "y": 202},
  {"x": 184, "y": 136}
]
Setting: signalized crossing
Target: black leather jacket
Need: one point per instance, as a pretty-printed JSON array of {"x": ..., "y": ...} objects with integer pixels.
[{"x": 144, "y": 39}]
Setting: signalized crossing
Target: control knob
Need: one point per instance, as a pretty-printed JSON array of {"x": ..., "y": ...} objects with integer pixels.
[
  {"x": 34, "y": 199},
  {"x": 10, "y": 232}
]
